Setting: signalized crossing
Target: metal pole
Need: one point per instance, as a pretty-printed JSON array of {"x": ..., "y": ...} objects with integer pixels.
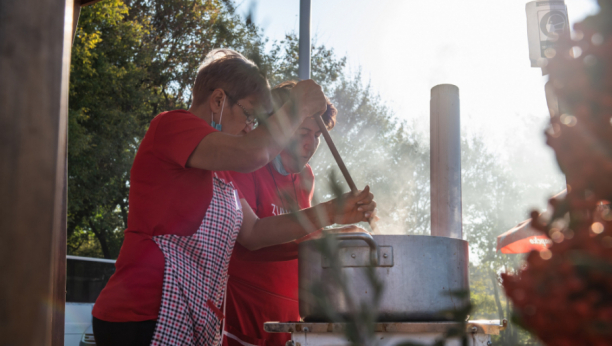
[
  {"x": 445, "y": 159},
  {"x": 304, "y": 49}
]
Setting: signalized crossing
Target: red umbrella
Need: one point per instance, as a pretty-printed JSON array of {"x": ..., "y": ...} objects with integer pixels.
[{"x": 523, "y": 238}]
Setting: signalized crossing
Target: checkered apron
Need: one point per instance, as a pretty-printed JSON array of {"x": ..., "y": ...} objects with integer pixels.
[{"x": 195, "y": 273}]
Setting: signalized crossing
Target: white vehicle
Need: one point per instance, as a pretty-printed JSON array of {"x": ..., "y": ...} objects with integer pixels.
[{"x": 85, "y": 278}]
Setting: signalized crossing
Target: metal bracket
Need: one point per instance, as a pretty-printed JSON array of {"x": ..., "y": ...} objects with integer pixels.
[
  {"x": 360, "y": 257},
  {"x": 489, "y": 327}
]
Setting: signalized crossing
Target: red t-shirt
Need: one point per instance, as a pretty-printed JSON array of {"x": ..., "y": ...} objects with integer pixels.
[
  {"x": 166, "y": 197},
  {"x": 263, "y": 284}
]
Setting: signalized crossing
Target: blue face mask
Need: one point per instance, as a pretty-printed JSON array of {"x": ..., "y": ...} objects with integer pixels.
[
  {"x": 278, "y": 165},
  {"x": 213, "y": 123}
]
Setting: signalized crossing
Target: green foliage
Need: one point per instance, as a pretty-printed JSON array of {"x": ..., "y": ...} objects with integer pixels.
[
  {"x": 283, "y": 60},
  {"x": 181, "y": 33},
  {"x": 109, "y": 109},
  {"x": 482, "y": 294}
]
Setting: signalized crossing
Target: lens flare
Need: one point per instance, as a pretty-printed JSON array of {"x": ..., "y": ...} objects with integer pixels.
[
  {"x": 597, "y": 39},
  {"x": 557, "y": 237},
  {"x": 546, "y": 254},
  {"x": 597, "y": 227},
  {"x": 568, "y": 120}
]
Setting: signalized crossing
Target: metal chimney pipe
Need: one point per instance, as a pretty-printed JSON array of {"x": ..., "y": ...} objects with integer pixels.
[
  {"x": 304, "y": 44},
  {"x": 445, "y": 160}
]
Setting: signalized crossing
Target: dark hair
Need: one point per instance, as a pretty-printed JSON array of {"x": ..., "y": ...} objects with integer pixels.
[
  {"x": 238, "y": 76},
  {"x": 282, "y": 92}
]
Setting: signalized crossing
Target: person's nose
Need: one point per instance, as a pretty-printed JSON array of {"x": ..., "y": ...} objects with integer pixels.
[{"x": 309, "y": 143}]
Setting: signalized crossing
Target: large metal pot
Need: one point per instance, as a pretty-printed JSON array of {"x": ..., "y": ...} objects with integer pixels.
[{"x": 418, "y": 273}]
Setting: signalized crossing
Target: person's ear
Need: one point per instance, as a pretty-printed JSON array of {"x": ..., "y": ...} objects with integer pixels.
[{"x": 216, "y": 100}]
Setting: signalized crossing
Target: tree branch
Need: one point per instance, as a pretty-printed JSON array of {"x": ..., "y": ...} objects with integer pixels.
[
  {"x": 496, "y": 294},
  {"x": 101, "y": 240},
  {"x": 124, "y": 213}
]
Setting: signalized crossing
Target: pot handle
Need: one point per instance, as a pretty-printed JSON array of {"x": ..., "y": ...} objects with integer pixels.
[{"x": 367, "y": 237}]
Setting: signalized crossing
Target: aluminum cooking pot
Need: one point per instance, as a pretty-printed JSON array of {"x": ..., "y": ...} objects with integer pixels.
[{"x": 418, "y": 273}]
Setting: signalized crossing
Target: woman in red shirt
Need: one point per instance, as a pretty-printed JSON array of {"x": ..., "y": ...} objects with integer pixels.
[
  {"x": 263, "y": 284},
  {"x": 186, "y": 214}
]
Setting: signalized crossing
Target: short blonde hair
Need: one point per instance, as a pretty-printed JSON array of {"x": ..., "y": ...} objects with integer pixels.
[{"x": 238, "y": 76}]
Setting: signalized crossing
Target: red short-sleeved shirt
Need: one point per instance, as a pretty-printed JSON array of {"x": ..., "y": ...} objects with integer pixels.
[
  {"x": 262, "y": 267},
  {"x": 263, "y": 284},
  {"x": 166, "y": 197}
]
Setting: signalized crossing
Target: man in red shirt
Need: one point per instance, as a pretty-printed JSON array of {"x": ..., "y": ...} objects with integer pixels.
[{"x": 263, "y": 284}]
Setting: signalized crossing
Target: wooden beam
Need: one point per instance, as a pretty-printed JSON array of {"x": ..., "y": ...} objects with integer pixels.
[
  {"x": 35, "y": 42},
  {"x": 75, "y": 19},
  {"x": 86, "y": 2}
]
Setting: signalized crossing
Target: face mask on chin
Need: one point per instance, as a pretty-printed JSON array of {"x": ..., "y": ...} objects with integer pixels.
[{"x": 277, "y": 163}]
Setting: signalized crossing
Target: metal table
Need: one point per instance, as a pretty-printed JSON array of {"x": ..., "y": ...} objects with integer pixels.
[{"x": 387, "y": 334}]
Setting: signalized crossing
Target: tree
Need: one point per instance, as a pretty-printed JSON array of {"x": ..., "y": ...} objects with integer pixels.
[
  {"x": 281, "y": 63},
  {"x": 491, "y": 205},
  {"x": 108, "y": 109}
]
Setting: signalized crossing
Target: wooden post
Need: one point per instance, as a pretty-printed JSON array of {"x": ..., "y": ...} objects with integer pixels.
[{"x": 35, "y": 42}]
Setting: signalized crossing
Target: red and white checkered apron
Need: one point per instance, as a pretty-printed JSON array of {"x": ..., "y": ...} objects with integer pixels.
[{"x": 195, "y": 273}]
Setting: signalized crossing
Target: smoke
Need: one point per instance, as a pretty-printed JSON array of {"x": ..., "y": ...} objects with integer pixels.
[
  {"x": 379, "y": 151},
  {"x": 502, "y": 179}
]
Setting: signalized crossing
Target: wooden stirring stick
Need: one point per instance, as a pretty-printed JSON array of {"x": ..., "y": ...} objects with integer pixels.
[{"x": 341, "y": 165}]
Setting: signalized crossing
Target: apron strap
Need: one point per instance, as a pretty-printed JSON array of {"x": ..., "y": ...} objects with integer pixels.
[
  {"x": 224, "y": 306},
  {"x": 215, "y": 309}
]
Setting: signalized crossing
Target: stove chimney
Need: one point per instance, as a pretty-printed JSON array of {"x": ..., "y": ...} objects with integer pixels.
[{"x": 445, "y": 162}]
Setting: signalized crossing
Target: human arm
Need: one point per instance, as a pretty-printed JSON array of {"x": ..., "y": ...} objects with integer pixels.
[
  {"x": 289, "y": 251},
  {"x": 258, "y": 233},
  {"x": 224, "y": 152}
]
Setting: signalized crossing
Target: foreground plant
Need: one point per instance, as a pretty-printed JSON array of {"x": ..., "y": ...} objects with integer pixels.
[{"x": 563, "y": 294}]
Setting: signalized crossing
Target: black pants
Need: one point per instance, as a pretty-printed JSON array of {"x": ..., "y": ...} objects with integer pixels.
[{"x": 123, "y": 333}]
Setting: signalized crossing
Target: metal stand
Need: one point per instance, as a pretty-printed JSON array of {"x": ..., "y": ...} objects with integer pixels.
[
  {"x": 387, "y": 334},
  {"x": 304, "y": 43}
]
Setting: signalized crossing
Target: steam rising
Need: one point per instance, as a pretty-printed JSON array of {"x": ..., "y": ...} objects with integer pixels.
[{"x": 501, "y": 181}]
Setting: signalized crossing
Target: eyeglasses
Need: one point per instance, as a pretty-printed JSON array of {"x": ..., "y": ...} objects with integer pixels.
[{"x": 250, "y": 119}]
